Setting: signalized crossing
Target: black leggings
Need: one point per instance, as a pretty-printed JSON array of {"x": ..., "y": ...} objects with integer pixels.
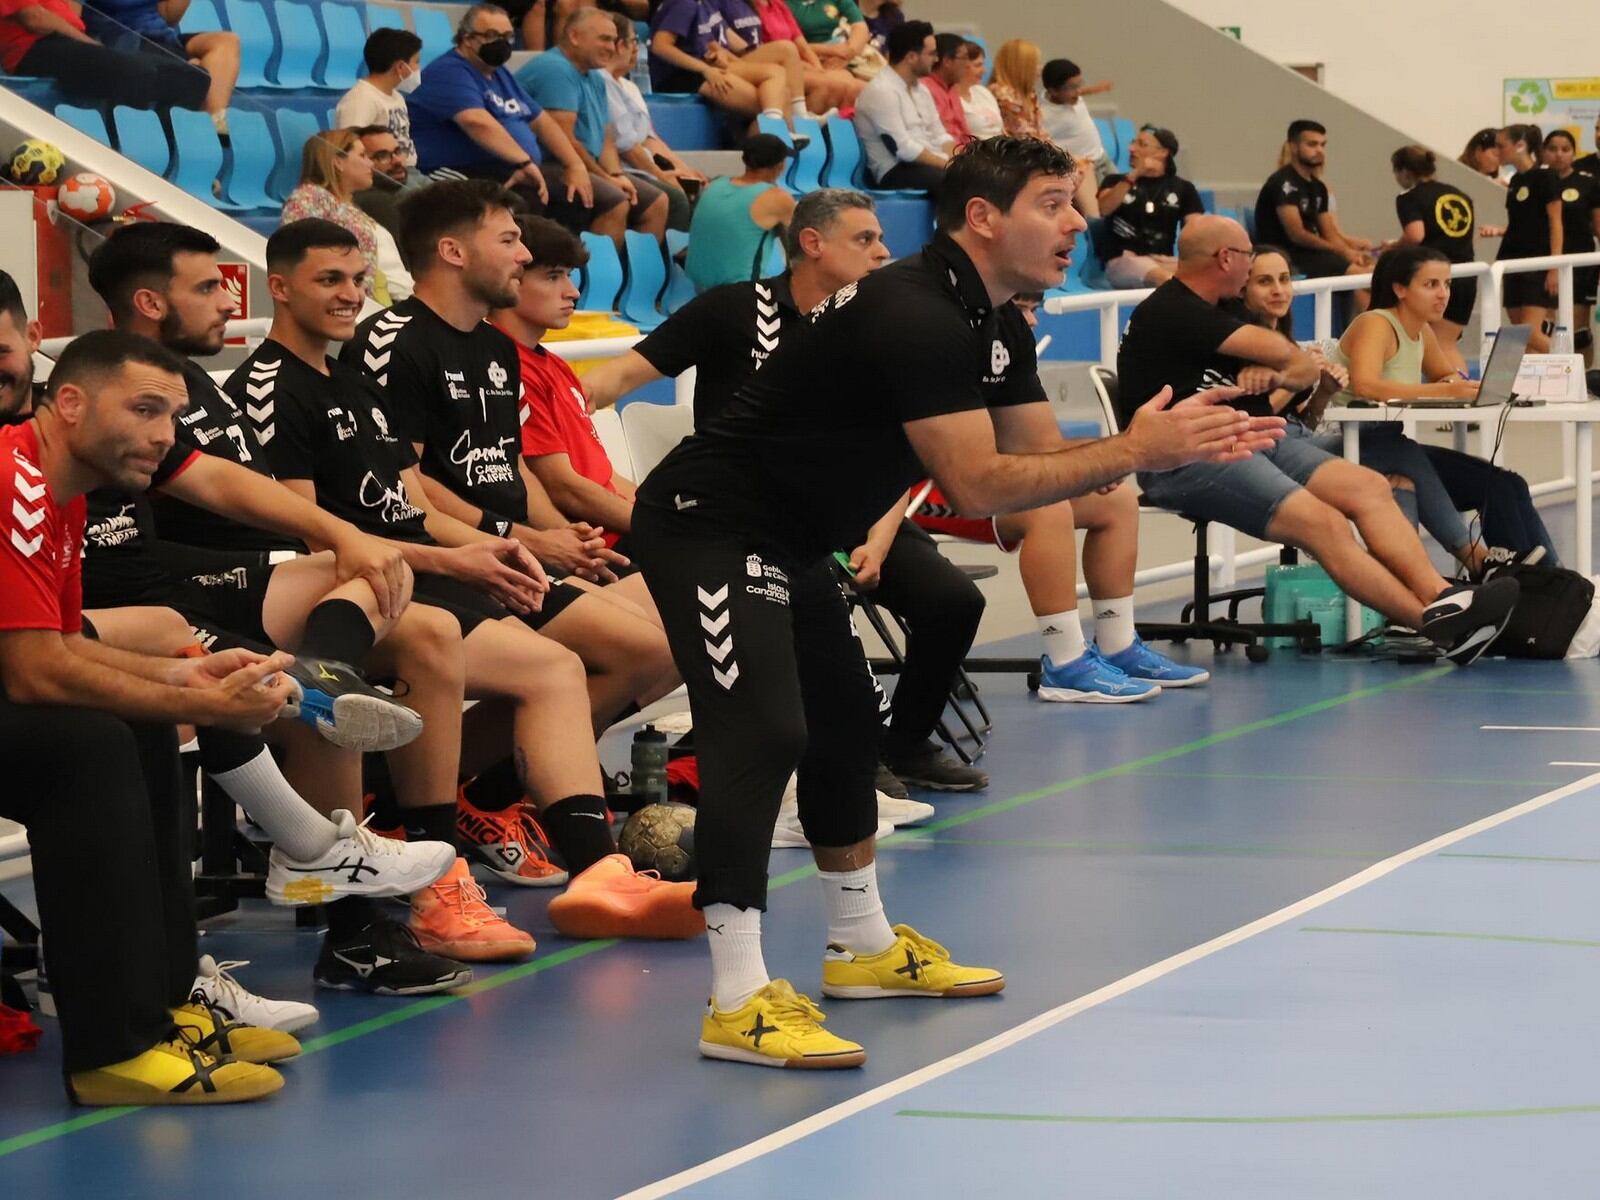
[
  {"x": 777, "y": 682},
  {"x": 942, "y": 607},
  {"x": 88, "y": 71},
  {"x": 120, "y": 925}
]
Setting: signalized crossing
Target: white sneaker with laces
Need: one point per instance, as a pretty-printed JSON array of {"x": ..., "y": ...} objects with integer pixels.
[
  {"x": 216, "y": 987},
  {"x": 360, "y": 863},
  {"x": 903, "y": 812}
]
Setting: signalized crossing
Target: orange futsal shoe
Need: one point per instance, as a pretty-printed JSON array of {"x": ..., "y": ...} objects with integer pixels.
[
  {"x": 452, "y": 918},
  {"x": 611, "y": 899},
  {"x": 506, "y": 843}
]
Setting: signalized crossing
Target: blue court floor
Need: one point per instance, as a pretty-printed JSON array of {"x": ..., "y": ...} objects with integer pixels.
[{"x": 1429, "y": 1032}]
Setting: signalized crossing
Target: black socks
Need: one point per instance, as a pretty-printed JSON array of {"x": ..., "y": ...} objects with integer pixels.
[
  {"x": 579, "y": 830},
  {"x": 338, "y": 629}
]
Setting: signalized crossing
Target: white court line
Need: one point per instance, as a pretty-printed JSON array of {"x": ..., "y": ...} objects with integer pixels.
[
  {"x": 1046, "y": 1020},
  {"x": 1563, "y": 763},
  {"x": 1545, "y": 728}
]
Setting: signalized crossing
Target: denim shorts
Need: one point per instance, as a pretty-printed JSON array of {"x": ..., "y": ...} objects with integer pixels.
[{"x": 1244, "y": 494}]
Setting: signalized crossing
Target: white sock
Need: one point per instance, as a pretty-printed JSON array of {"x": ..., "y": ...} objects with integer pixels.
[
  {"x": 772, "y": 112},
  {"x": 737, "y": 969},
  {"x": 297, "y": 829},
  {"x": 1113, "y": 624},
  {"x": 1063, "y": 636},
  {"x": 855, "y": 910},
  {"x": 797, "y": 106}
]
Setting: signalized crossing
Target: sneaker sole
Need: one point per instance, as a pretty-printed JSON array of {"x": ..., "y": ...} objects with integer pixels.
[
  {"x": 987, "y": 987},
  {"x": 113, "y": 1091},
  {"x": 417, "y": 989},
  {"x": 1178, "y": 683},
  {"x": 589, "y": 924},
  {"x": 1073, "y": 696},
  {"x": 1474, "y": 644},
  {"x": 364, "y": 723},
  {"x": 554, "y": 879},
  {"x": 302, "y": 891},
  {"x": 817, "y": 1062},
  {"x": 939, "y": 785},
  {"x": 485, "y": 952}
]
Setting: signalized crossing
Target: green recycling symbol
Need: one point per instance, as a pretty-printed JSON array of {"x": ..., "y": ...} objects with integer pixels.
[{"x": 1529, "y": 97}]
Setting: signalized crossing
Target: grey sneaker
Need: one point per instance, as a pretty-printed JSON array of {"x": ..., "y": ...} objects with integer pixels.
[
  {"x": 929, "y": 767},
  {"x": 889, "y": 785}
]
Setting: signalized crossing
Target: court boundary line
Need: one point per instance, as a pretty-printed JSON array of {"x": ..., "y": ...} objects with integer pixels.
[{"x": 871, "y": 1098}]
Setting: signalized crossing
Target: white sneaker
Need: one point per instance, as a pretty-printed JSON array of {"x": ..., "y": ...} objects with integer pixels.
[
  {"x": 787, "y": 834},
  {"x": 215, "y": 987},
  {"x": 360, "y": 863},
  {"x": 903, "y": 812}
]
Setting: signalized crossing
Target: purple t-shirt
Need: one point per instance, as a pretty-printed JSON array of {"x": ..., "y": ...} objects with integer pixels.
[
  {"x": 695, "y": 23},
  {"x": 742, "y": 19}
]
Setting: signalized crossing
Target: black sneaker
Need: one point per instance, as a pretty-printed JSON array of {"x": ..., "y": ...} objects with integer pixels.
[
  {"x": 1464, "y": 619},
  {"x": 347, "y": 710},
  {"x": 1498, "y": 558},
  {"x": 386, "y": 959},
  {"x": 889, "y": 784},
  {"x": 929, "y": 767}
]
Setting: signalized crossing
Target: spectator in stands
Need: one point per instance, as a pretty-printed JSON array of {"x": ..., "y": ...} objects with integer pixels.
[
  {"x": 644, "y": 155},
  {"x": 540, "y": 20},
  {"x": 1533, "y": 229},
  {"x": 736, "y": 216},
  {"x": 394, "y": 71},
  {"x": 1066, "y": 117},
  {"x": 1016, "y": 88},
  {"x": 883, "y": 17},
  {"x": 748, "y": 42},
  {"x": 1589, "y": 164},
  {"x": 1294, "y": 210},
  {"x": 977, "y": 101},
  {"x": 906, "y": 146},
  {"x": 151, "y": 27},
  {"x": 1294, "y": 492},
  {"x": 836, "y": 29},
  {"x": 334, "y": 167},
  {"x": 949, "y": 69},
  {"x": 827, "y": 87},
  {"x": 568, "y": 82},
  {"x": 1437, "y": 215},
  {"x": 1580, "y": 221},
  {"x": 1482, "y": 154},
  {"x": 47, "y": 39},
  {"x": 1146, "y": 208},
  {"x": 381, "y": 201},
  {"x": 689, "y": 53},
  {"x": 471, "y": 119}
]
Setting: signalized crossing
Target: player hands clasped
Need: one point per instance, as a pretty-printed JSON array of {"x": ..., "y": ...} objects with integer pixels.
[{"x": 735, "y": 529}]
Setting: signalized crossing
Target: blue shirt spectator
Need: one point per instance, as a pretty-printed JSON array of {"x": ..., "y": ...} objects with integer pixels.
[
  {"x": 554, "y": 81},
  {"x": 452, "y": 85},
  {"x": 111, "y": 21}
]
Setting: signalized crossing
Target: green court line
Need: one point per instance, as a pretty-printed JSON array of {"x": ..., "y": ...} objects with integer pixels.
[
  {"x": 1460, "y": 1114},
  {"x": 1352, "y": 780},
  {"x": 1447, "y": 933},
  {"x": 511, "y": 975},
  {"x": 1550, "y": 858}
]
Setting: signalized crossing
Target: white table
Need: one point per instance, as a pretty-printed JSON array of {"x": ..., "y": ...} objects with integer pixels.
[{"x": 1580, "y": 417}]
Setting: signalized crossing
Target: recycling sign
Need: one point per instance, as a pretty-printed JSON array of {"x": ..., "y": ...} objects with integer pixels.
[{"x": 1551, "y": 104}]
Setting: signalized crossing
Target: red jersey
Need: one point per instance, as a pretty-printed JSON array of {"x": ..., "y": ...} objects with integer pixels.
[
  {"x": 15, "y": 41},
  {"x": 41, "y": 558},
  {"x": 555, "y": 418}
]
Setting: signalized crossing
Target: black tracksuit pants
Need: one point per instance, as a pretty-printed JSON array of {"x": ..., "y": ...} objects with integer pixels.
[
  {"x": 777, "y": 683},
  {"x": 119, "y": 925}
]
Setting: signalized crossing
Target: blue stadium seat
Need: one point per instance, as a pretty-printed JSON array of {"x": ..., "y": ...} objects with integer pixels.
[
  {"x": 684, "y": 122},
  {"x": 85, "y": 120},
  {"x": 844, "y": 153},
  {"x": 602, "y": 278},
  {"x": 647, "y": 276},
  {"x": 300, "y": 40},
  {"x": 384, "y": 16},
  {"x": 141, "y": 138},
  {"x": 1108, "y": 136},
  {"x": 295, "y": 129},
  {"x": 199, "y": 155},
  {"x": 42, "y": 93},
  {"x": 806, "y": 174},
  {"x": 435, "y": 30},
  {"x": 907, "y": 220},
  {"x": 200, "y": 17},
  {"x": 346, "y": 36},
  {"x": 1248, "y": 213},
  {"x": 254, "y": 159},
  {"x": 1208, "y": 198},
  {"x": 256, "y": 43},
  {"x": 680, "y": 288},
  {"x": 770, "y": 259}
]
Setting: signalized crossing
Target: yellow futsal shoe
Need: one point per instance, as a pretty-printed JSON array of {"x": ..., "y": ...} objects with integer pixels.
[
  {"x": 211, "y": 1033},
  {"x": 913, "y": 966},
  {"x": 777, "y": 1027},
  {"x": 173, "y": 1072}
]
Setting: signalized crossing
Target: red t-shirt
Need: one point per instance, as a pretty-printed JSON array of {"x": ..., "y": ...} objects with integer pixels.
[
  {"x": 555, "y": 418},
  {"x": 778, "y": 23},
  {"x": 15, "y": 41},
  {"x": 41, "y": 558}
]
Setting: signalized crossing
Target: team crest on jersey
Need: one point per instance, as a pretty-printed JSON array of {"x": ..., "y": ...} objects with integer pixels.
[
  {"x": 344, "y": 423},
  {"x": 454, "y": 382},
  {"x": 497, "y": 374},
  {"x": 999, "y": 360},
  {"x": 382, "y": 422}
]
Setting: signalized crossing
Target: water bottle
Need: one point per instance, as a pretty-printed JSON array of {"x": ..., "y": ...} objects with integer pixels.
[
  {"x": 649, "y": 776},
  {"x": 1561, "y": 340},
  {"x": 640, "y": 74}
]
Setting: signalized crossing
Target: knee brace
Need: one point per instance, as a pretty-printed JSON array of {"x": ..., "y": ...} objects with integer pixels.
[{"x": 1583, "y": 339}]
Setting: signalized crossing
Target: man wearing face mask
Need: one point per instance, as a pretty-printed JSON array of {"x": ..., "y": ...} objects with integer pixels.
[
  {"x": 394, "y": 71},
  {"x": 473, "y": 120}
]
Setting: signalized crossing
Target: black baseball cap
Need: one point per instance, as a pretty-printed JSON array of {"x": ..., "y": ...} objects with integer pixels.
[
  {"x": 761, "y": 150},
  {"x": 1168, "y": 139}
]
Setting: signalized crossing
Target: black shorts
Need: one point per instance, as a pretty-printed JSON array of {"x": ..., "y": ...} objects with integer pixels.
[
  {"x": 1525, "y": 289},
  {"x": 557, "y": 600},
  {"x": 230, "y": 601},
  {"x": 1585, "y": 280},
  {"x": 681, "y": 82},
  {"x": 467, "y": 604},
  {"x": 1463, "y": 296},
  {"x": 1317, "y": 264}
]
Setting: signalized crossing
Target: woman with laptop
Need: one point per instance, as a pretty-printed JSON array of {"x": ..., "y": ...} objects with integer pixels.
[{"x": 1392, "y": 356}]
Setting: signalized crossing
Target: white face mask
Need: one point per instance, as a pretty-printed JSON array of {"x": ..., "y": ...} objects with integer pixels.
[{"x": 410, "y": 83}]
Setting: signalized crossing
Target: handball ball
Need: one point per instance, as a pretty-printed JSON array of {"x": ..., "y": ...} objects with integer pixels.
[
  {"x": 660, "y": 837},
  {"x": 36, "y": 163},
  {"x": 87, "y": 197}
]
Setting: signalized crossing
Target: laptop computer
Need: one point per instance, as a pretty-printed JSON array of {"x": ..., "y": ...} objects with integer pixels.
[{"x": 1499, "y": 373}]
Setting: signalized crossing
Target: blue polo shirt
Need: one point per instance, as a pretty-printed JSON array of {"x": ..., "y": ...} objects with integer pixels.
[
  {"x": 452, "y": 85},
  {"x": 554, "y": 81},
  {"x": 112, "y": 22}
]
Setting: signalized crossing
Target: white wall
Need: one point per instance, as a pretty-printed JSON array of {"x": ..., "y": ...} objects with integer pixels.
[{"x": 1433, "y": 69}]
